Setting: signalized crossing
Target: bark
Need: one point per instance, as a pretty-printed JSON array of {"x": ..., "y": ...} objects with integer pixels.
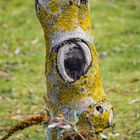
[{"x": 77, "y": 102}]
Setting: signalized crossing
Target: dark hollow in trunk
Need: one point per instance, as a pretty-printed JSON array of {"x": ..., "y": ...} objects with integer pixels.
[{"x": 74, "y": 61}]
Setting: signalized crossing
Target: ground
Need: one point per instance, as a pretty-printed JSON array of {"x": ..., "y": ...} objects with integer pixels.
[{"x": 116, "y": 25}]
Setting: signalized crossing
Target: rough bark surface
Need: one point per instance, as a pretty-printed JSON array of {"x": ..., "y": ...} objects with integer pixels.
[{"x": 77, "y": 101}]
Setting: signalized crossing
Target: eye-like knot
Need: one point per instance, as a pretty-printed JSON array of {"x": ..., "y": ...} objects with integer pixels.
[
  {"x": 99, "y": 109},
  {"x": 73, "y": 61}
]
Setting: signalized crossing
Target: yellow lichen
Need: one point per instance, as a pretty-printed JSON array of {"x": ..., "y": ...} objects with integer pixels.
[{"x": 65, "y": 17}]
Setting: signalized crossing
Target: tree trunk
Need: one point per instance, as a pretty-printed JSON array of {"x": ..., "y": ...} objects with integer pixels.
[{"x": 76, "y": 100}]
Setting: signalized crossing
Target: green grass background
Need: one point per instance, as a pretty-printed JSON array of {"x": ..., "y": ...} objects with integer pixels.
[{"x": 116, "y": 26}]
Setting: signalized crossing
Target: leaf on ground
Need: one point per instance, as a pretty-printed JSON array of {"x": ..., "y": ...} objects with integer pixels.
[
  {"x": 103, "y": 54},
  {"x": 17, "y": 51},
  {"x": 134, "y": 101},
  {"x": 17, "y": 117},
  {"x": 34, "y": 42},
  {"x": 3, "y": 74}
]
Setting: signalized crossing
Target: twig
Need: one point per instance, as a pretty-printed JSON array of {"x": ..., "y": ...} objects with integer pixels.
[{"x": 24, "y": 124}]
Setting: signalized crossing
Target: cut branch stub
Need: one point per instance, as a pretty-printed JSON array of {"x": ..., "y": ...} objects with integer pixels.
[
  {"x": 74, "y": 86},
  {"x": 73, "y": 60}
]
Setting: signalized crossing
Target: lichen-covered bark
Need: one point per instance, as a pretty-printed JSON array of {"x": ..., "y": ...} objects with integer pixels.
[{"x": 76, "y": 97}]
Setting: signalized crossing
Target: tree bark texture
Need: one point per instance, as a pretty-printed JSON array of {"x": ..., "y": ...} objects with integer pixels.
[{"x": 76, "y": 99}]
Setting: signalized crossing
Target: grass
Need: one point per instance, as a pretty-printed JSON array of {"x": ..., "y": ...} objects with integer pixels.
[{"x": 116, "y": 26}]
